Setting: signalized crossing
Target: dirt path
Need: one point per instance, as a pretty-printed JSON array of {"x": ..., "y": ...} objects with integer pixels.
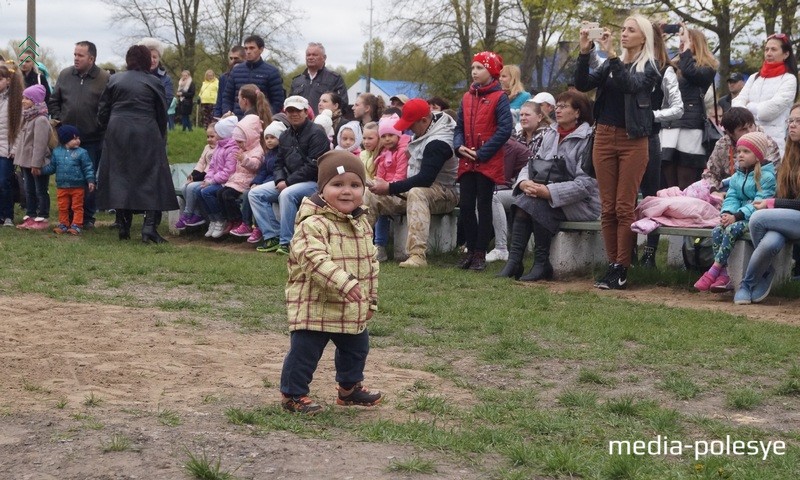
[{"x": 54, "y": 352}]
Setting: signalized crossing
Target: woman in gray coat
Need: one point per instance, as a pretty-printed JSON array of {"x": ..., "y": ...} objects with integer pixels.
[
  {"x": 553, "y": 188},
  {"x": 134, "y": 171}
]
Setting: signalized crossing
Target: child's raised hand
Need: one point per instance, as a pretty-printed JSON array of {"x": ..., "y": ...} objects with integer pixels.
[
  {"x": 91, "y": 187},
  {"x": 354, "y": 294},
  {"x": 726, "y": 219}
]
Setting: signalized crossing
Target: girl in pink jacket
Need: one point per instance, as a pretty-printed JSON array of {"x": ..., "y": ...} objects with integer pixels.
[
  {"x": 247, "y": 135},
  {"x": 221, "y": 167},
  {"x": 391, "y": 165}
]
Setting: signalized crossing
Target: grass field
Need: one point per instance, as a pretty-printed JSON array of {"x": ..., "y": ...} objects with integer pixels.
[{"x": 554, "y": 377}]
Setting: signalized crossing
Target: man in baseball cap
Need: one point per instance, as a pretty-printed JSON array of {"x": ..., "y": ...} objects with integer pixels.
[
  {"x": 548, "y": 103},
  {"x": 431, "y": 184},
  {"x": 735, "y": 85}
]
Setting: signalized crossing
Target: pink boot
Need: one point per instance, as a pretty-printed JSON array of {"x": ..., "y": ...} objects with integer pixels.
[
  {"x": 722, "y": 284},
  {"x": 705, "y": 282}
]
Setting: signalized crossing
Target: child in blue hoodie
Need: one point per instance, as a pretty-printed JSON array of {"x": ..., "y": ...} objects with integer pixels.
[{"x": 73, "y": 169}]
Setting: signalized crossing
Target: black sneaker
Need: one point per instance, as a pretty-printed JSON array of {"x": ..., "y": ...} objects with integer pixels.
[
  {"x": 602, "y": 279},
  {"x": 300, "y": 404},
  {"x": 617, "y": 280},
  {"x": 358, "y": 395}
]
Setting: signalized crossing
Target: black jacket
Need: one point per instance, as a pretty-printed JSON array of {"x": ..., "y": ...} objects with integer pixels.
[
  {"x": 325, "y": 81},
  {"x": 637, "y": 87},
  {"x": 298, "y": 151},
  {"x": 693, "y": 82},
  {"x": 76, "y": 99}
]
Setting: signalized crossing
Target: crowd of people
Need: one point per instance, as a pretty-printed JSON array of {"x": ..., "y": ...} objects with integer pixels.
[{"x": 516, "y": 164}]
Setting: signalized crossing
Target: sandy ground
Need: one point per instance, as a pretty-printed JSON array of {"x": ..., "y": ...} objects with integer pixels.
[{"x": 141, "y": 362}]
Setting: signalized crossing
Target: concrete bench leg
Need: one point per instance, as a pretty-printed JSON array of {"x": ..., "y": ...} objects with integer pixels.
[
  {"x": 576, "y": 252},
  {"x": 442, "y": 237},
  {"x": 173, "y": 216}
]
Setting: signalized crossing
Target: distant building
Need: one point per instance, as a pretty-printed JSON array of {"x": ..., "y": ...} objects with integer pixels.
[{"x": 386, "y": 89}]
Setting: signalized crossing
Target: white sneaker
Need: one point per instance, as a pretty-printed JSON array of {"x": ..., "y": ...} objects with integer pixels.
[
  {"x": 219, "y": 228},
  {"x": 211, "y": 228},
  {"x": 8, "y": 222},
  {"x": 497, "y": 255}
]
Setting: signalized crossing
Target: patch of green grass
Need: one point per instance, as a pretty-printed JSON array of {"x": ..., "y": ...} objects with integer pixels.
[
  {"x": 624, "y": 405},
  {"x": 204, "y": 468},
  {"x": 586, "y": 375},
  {"x": 680, "y": 385},
  {"x": 577, "y": 399},
  {"x": 413, "y": 465},
  {"x": 92, "y": 400},
  {"x": 430, "y": 403},
  {"x": 562, "y": 460},
  {"x": 117, "y": 443},
  {"x": 170, "y": 418},
  {"x": 743, "y": 399},
  {"x": 30, "y": 387},
  {"x": 61, "y": 403}
]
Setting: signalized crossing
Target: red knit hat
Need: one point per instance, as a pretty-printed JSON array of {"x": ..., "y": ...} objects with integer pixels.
[
  {"x": 756, "y": 142},
  {"x": 492, "y": 61}
]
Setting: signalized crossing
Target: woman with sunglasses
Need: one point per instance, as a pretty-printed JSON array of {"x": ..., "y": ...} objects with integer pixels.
[{"x": 770, "y": 92}]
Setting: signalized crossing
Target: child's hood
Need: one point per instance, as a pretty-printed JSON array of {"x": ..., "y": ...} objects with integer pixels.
[
  {"x": 248, "y": 130},
  {"x": 356, "y": 128}
]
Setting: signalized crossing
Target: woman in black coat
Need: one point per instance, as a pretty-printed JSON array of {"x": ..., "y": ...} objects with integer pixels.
[
  {"x": 134, "y": 171},
  {"x": 185, "y": 100}
]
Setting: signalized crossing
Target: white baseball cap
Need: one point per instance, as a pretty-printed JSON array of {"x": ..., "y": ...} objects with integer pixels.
[
  {"x": 544, "y": 97},
  {"x": 296, "y": 101}
]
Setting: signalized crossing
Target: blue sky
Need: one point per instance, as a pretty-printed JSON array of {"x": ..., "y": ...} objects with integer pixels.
[{"x": 61, "y": 23}]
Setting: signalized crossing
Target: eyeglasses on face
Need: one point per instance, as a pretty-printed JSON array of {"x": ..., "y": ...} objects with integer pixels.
[
  {"x": 562, "y": 106},
  {"x": 793, "y": 121}
]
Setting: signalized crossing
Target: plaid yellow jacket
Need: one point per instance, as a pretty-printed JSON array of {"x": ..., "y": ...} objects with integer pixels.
[{"x": 329, "y": 254}]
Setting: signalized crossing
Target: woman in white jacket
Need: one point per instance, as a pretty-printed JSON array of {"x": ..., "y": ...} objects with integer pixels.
[{"x": 770, "y": 93}]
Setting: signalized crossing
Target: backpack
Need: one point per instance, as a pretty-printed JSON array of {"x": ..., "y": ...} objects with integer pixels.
[
  {"x": 52, "y": 142},
  {"x": 698, "y": 253}
]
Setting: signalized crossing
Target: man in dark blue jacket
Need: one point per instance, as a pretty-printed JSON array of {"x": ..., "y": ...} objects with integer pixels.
[
  {"x": 235, "y": 57},
  {"x": 256, "y": 71}
]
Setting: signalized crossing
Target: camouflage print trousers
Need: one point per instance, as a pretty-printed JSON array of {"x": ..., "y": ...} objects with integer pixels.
[{"x": 417, "y": 205}]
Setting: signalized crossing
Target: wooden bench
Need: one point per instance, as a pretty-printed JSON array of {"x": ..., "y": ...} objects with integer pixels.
[{"x": 578, "y": 246}]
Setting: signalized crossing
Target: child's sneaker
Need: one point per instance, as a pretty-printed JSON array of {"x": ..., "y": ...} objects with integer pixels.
[
  {"x": 40, "y": 223},
  {"x": 705, "y": 282},
  {"x": 194, "y": 220},
  {"x": 8, "y": 222},
  {"x": 300, "y": 404},
  {"x": 282, "y": 250},
  {"x": 61, "y": 229},
  {"x": 74, "y": 230},
  {"x": 722, "y": 284},
  {"x": 27, "y": 222},
  {"x": 219, "y": 229},
  {"x": 358, "y": 395},
  {"x": 269, "y": 245},
  {"x": 212, "y": 227},
  {"x": 181, "y": 223},
  {"x": 243, "y": 230},
  {"x": 255, "y": 236}
]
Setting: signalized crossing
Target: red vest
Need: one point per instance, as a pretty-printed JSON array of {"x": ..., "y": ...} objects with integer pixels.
[{"x": 480, "y": 124}]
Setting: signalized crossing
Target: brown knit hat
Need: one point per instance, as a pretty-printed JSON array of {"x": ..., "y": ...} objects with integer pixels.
[
  {"x": 337, "y": 162},
  {"x": 756, "y": 142}
]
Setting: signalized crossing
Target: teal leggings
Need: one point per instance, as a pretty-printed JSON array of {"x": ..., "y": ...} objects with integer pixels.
[{"x": 724, "y": 238}]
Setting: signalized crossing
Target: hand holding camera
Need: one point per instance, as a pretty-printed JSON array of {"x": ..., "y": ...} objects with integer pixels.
[{"x": 590, "y": 32}]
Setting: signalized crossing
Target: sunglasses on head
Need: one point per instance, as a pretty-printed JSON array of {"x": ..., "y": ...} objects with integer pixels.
[{"x": 780, "y": 36}]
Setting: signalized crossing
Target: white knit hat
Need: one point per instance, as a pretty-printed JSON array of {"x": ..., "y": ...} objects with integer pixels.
[
  {"x": 325, "y": 119},
  {"x": 224, "y": 127},
  {"x": 276, "y": 128}
]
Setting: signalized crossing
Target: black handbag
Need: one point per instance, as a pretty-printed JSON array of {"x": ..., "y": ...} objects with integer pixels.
[
  {"x": 547, "y": 171},
  {"x": 586, "y": 162},
  {"x": 711, "y": 133}
]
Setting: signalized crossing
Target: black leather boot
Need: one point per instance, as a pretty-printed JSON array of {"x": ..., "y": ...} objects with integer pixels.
[
  {"x": 542, "y": 269},
  {"x": 466, "y": 260},
  {"x": 520, "y": 234},
  {"x": 152, "y": 218},
  {"x": 124, "y": 219},
  {"x": 478, "y": 260}
]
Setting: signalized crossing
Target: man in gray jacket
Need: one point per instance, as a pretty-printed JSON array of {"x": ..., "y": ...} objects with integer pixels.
[
  {"x": 75, "y": 101},
  {"x": 316, "y": 79}
]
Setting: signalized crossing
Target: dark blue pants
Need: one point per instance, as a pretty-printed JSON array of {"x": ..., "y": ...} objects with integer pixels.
[
  {"x": 95, "y": 150},
  {"x": 305, "y": 350},
  {"x": 6, "y": 191},
  {"x": 208, "y": 197},
  {"x": 37, "y": 198}
]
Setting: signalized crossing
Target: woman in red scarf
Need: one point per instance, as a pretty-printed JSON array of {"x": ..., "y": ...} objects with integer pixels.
[{"x": 769, "y": 94}]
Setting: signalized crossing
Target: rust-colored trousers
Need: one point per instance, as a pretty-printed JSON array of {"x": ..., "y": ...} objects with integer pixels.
[{"x": 70, "y": 199}]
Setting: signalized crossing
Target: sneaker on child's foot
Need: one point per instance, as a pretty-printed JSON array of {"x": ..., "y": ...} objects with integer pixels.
[
  {"x": 722, "y": 284},
  {"x": 194, "y": 220},
  {"x": 358, "y": 395},
  {"x": 497, "y": 256},
  {"x": 282, "y": 250},
  {"x": 74, "y": 229},
  {"x": 219, "y": 229},
  {"x": 269, "y": 245},
  {"x": 8, "y": 222},
  {"x": 255, "y": 236},
  {"x": 243, "y": 230},
  {"x": 705, "y": 281},
  {"x": 60, "y": 229},
  {"x": 300, "y": 404},
  {"x": 181, "y": 223}
]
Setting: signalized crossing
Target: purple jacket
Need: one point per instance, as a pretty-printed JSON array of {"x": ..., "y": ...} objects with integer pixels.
[{"x": 223, "y": 162}]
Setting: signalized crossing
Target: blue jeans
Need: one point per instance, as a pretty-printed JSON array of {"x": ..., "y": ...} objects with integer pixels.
[
  {"x": 208, "y": 196},
  {"x": 191, "y": 195},
  {"x": 263, "y": 196},
  {"x": 305, "y": 350},
  {"x": 769, "y": 230},
  {"x": 6, "y": 192},
  {"x": 382, "y": 230},
  {"x": 95, "y": 150},
  {"x": 37, "y": 198}
]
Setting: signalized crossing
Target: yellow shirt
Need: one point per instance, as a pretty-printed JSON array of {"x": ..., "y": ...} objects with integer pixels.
[{"x": 208, "y": 92}]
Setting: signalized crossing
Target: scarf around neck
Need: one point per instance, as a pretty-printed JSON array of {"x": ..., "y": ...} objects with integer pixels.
[
  {"x": 38, "y": 109},
  {"x": 772, "y": 69}
]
